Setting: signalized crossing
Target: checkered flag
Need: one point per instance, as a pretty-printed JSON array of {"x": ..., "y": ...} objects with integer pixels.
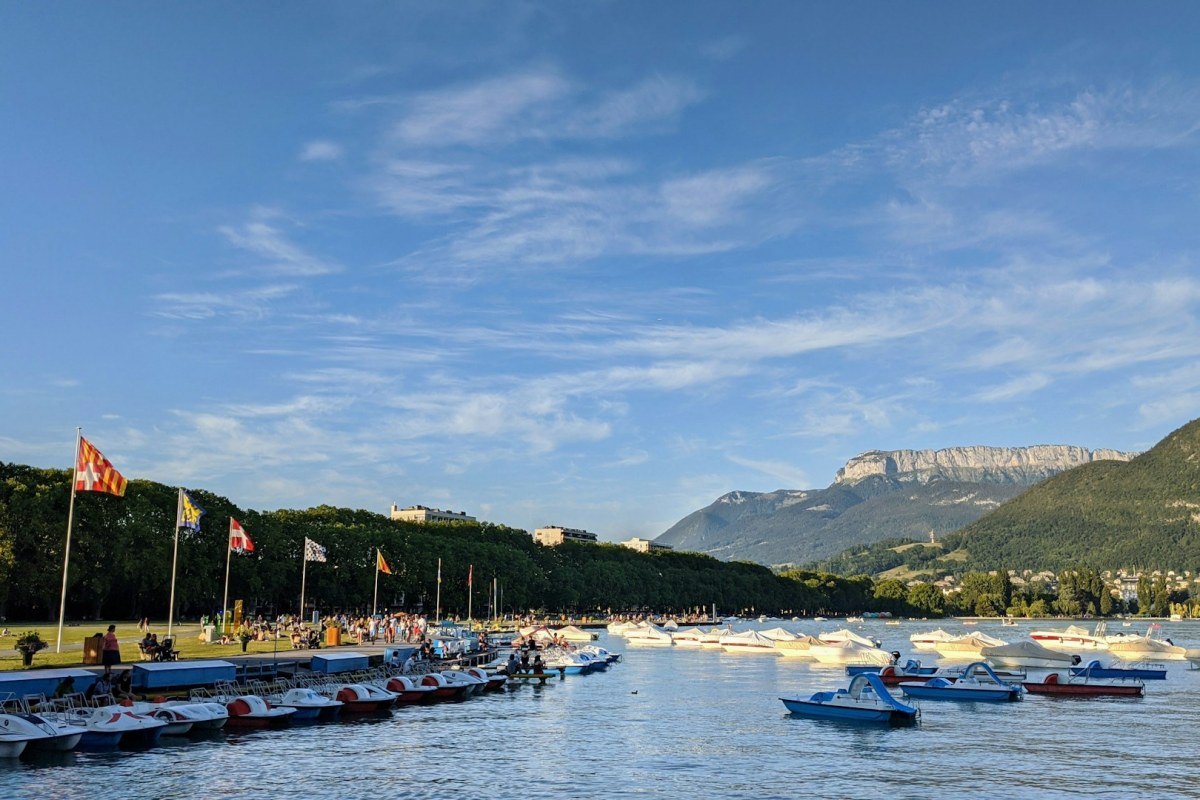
[{"x": 313, "y": 551}]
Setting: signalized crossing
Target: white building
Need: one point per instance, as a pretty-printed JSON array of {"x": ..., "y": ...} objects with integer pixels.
[
  {"x": 554, "y": 535},
  {"x": 423, "y": 514},
  {"x": 645, "y": 545}
]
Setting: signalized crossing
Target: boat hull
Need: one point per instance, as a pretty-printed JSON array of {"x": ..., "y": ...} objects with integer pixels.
[
  {"x": 1083, "y": 690},
  {"x": 923, "y": 691},
  {"x": 807, "y": 708}
]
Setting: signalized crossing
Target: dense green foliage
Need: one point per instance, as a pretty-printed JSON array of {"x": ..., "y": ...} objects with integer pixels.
[
  {"x": 1139, "y": 514},
  {"x": 121, "y": 562}
]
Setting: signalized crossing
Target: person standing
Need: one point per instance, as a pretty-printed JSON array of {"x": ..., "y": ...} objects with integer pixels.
[{"x": 112, "y": 650}]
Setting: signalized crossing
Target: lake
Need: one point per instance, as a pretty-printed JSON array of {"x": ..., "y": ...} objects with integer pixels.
[{"x": 681, "y": 722}]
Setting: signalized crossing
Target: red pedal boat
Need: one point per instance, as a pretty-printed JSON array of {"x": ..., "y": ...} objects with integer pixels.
[{"x": 1057, "y": 684}]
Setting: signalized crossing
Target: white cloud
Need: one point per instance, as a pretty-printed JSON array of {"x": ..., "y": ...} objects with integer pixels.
[
  {"x": 321, "y": 150},
  {"x": 260, "y": 237},
  {"x": 1011, "y": 390},
  {"x": 791, "y": 476}
]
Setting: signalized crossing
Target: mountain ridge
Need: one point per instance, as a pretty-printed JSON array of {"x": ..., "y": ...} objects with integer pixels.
[{"x": 880, "y": 494}]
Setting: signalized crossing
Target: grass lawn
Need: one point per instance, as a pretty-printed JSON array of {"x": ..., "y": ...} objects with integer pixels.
[{"x": 187, "y": 642}]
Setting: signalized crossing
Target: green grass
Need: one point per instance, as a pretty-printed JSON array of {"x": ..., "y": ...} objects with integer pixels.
[{"x": 187, "y": 642}]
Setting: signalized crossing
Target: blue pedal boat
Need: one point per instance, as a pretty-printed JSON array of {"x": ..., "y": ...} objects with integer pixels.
[
  {"x": 867, "y": 699},
  {"x": 1137, "y": 671},
  {"x": 966, "y": 687}
]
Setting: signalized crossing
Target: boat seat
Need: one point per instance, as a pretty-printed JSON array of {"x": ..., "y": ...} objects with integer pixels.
[{"x": 1052, "y": 678}]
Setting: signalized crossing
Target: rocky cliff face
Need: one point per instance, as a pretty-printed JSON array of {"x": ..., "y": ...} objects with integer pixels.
[{"x": 1022, "y": 466}]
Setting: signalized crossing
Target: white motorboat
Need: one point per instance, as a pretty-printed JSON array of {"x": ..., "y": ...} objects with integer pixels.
[
  {"x": 619, "y": 628},
  {"x": 779, "y": 635},
  {"x": 848, "y": 652},
  {"x": 650, "y": 636},
  {"x": 573, "y": 633},
  {"x": 797, "y": 647},
  {"x": 670, "y": 625},
  {"x": 930, "y": 640},
  {"x": 601, "y": 652},
  {"x": 689, "y": 637},
  {"x": 748, "y": 642},
  {"x": 969, "y": 646},
  {"x": 847, "y": 635},
  {"x": 712, "y": 639},
  {"x": 1074, "y": 637},
  {"x": 1146, "y": 646},
  {"x": 1027, "y": 654}
]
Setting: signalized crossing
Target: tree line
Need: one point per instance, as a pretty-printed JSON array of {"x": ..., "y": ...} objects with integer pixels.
[{"x": 122, "y": 547}]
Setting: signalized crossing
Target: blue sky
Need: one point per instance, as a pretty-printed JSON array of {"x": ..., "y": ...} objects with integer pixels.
[{"x": 591, "y": 264}]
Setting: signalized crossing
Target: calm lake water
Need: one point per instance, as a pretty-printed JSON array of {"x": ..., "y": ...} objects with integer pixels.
[{"x": 676, "y": 723}]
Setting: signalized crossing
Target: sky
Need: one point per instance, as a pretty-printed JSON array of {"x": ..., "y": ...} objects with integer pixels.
[{"x": 590, "y": 264}]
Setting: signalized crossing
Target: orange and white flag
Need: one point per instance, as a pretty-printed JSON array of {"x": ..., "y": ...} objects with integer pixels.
[
  {"x": 380, "y": 564},
  {"x": 95, "y": 473}
]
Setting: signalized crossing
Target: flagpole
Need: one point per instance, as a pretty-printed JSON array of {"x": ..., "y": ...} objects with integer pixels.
[
  {"x": 470, "y": 590},
  {"x": 174, "y": 562},
  {"x": 375, "y": 602},
  {"x": 495, "y": 608},
  {"x": 225, "y": 600},
  {"x": 62, "y": 603},
  {"x": 437, "y": 616},
  {"x": 303, "y": 575}
]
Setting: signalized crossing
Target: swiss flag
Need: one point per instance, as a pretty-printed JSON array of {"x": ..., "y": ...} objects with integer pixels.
[{"x": 239, "y": 540}]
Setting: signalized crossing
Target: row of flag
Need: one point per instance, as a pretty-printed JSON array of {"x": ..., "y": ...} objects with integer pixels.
[{"x": 95, "y": 473}]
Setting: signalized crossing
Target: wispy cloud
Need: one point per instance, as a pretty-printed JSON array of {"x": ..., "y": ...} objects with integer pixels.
[
  {"x": 321, "y": 150},
  {"x": 262, "y": 237},
  {"x": 789, "y": 475},
  {"x": 247, "y": 304}
]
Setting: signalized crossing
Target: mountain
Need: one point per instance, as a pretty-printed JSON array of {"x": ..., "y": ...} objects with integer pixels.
[
  {"x": 876, "y": 495},
  {"x": 1144, "y": 513}
]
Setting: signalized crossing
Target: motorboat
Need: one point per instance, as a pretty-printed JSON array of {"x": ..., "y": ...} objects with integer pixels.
[
  {"x": 409, "y": 692},
  {"x": 929, "y": 641},
  {"x": 649, "y": 636},
  {"x": 689, "y": 637},
  {"x": 1194, "y": 657},
  {"x": 601, "y": 652},
  {"x": 866, "y": 699},
  {"x": 1074, "y": 637},
  {"x": 619, "y": 628},
  {"x": 109, "y": 726},
  {"x": 968, "y": 646},
  {"x": 797, "y": 647},
  {"x": 1008, "y": 622},
  {"x": 1146, "y": 646},
  {"x": 779, "y": 635},
  {"x": 1137, "y": 670},
  {"x": 365, "y": 698},
  {"x": 568, "y": 663},
  {"x": 847, "y": 652},
  {"x": 1066, "y": 685},
  {"x": 308, "y": 704},
  {"x": 252, "y": 711},
  {"x": 1027, "y": 654},
  {"x": 712, "y": 639},
  {"x": 854, "y": 619},
  {"x": 670, "y": 625},
  {"x": 748, "y": 642},
  {"x": 968, "y": 686},
  {"x": 574, "y": 633},
  {"x": 847, "y": 635}
]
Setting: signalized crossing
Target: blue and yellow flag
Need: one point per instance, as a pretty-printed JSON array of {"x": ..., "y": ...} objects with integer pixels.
[{"x": 189, "y": 513}]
